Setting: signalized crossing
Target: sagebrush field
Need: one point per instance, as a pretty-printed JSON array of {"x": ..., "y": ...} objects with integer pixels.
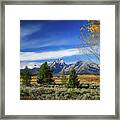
[{"x": 89, "y": 89}]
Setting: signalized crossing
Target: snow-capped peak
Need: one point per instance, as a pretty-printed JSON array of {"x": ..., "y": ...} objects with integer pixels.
[{"x": 59, "y": 61}]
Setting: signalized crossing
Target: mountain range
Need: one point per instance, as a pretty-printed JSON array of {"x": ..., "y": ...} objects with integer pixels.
[{"x": 81, "y": 67}]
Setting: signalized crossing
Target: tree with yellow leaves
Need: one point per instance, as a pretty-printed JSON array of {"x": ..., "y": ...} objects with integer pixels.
[{"x": 90, "y": 37}]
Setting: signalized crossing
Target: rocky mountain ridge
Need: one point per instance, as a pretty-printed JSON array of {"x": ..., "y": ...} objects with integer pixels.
[{"x": 81, "y": 67}]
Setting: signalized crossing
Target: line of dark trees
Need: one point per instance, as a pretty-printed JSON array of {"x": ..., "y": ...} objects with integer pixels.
[{"x": 45, "y": 75}]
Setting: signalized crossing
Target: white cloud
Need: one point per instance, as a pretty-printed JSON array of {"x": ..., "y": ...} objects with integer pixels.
[
  {"x": 29, "y": 56},
  {"x": 29, "y": 30},
  {"x": 30, "y": 64}
]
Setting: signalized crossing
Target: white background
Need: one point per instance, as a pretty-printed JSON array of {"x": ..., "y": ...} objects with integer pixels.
[{"x": 104, "y": 13}]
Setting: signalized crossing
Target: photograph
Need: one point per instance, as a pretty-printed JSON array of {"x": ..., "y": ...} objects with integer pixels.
[
  {"x": 59, "y": 59},
  {"x": 60, "y": 54}
]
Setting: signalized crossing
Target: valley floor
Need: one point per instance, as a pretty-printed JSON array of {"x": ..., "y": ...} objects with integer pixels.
[{"x": 89, "y": 91}]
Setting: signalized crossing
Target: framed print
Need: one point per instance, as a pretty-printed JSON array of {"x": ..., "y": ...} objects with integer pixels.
[{"x": 60, "y": 59}]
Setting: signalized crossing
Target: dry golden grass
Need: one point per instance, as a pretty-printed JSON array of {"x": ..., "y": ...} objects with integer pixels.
[
  {"x": 89, "y": 79},
  {"x": 82, "y": 78}
]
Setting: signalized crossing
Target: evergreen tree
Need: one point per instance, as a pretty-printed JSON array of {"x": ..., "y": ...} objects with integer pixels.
[
  {"x": 26, "y": 76},
  {"x": 45, "y": 74},
  {"x": 73, "y": 81}
]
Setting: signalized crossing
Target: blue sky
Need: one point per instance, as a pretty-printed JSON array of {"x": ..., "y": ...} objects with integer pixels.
[{"x": 48, "y": 40}]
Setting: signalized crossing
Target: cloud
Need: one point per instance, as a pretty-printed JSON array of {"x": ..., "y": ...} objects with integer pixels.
[
  {"x": 30, "y": 64},
  {"x": 28, "y": 30},
  {"x": 29, "y": 56},
  {"x": 48, "y": 41}
]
